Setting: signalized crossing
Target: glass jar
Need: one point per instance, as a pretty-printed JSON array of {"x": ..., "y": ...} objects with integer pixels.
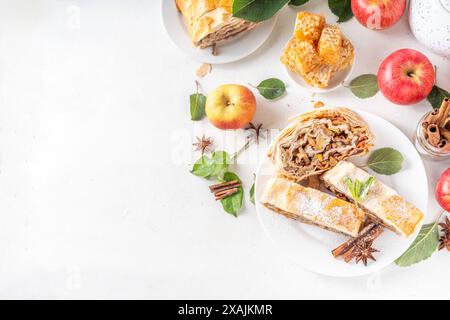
[{"x": 424, "y": 148}]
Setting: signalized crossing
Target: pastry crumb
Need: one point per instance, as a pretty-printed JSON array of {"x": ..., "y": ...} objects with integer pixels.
[
  {"x": 204, "y": 69},
  {"x": 319, "y": 104}
]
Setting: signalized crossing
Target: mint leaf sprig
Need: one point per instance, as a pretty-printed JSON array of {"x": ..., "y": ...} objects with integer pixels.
[{"x": 359, "y": 189}]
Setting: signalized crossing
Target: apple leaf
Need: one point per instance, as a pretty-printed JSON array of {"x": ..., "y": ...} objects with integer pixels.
[
  {"x": 436, "y": 96},
  {"x": 213, "y": 167},
  {"x": 297, "y": 2},
  {"x": 386, "y": 161},
  {"x": 342, "y": 9},
  {"x": 198, "y": 102},
  {"x": 364, "y": 86},
  {"x": 233, "y": 203},
  {"x": 257, "y": 10},
  {"x": 422, "y": 248},
  {"x": 271, "y": 88}
]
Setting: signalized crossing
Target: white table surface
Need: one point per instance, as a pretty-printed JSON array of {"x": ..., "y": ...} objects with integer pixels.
[{"x": 96, "y": 198}]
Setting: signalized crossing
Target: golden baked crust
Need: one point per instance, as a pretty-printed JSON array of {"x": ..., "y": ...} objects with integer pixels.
[
  {"x": 312, "y": 206},
  {"x": 211, "y": 22},
  {"x": 316, "y": 141},
  {"x": 382, "y": 202},
  {"x": 308, "y": 26}
]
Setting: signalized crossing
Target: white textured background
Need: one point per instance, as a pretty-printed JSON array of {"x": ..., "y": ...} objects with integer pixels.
[{"x": 94, "y": 202}]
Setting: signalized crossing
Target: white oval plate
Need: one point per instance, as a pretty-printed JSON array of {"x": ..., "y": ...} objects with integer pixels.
[
  {"x": 335, "y": 83},
  {"x": 311, "y": 247},
  {"x": 233, "y": 50}
]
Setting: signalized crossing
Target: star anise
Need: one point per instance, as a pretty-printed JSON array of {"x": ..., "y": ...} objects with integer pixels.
[
  {"x": 363, "y": 252},
  {"x": 257, "y": 131},
  {"x": 203, "y": 144},
  {"x": 445, "y": 239}
]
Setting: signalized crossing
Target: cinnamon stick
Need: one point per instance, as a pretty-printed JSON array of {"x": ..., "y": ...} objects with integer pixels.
[
  {"x": 368, "y": 234},
  {"x": 444, "y": 145},
  {"x": 432, "y": 118},
  {"x": 445, "y": 134},
  {"x": 224, "y": 185},
  {"x": 225, "y": 194},
  {"x": 434, "y": 135},
  {"x": 343, "y": 248},
  {"x": 443, "y": 112}
]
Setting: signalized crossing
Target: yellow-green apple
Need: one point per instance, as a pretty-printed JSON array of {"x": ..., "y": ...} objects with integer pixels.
[
  {"x": 406, "y": 77},
  {"x": 230, "y": 107},
  {"x": 378, "y": 14},
  {"x": 443, "y": 190}
]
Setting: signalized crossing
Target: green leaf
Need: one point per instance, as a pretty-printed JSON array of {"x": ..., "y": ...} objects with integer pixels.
[
  {"x": 221, "y": 160},
  {"x": 436, "y": 96},
  {"x": 271, "y": 88},
  {"x": 366, "y": 187},
  {"x": 204, "y": 167},
  {"x": 364, "y": 86},
  {"x": 252, "y": 191},
  {"x": 198, "y": 102},
  {"x": 422, "y": 248},
  {"x": 257, "y": 10},
  {"x": 213, "y": 167},
  {"x": 297, "y": 2},
  {"x": 233, "y": 203},
  {"x": 386, "y": 161},
  {"x": 342, "y": 9}
]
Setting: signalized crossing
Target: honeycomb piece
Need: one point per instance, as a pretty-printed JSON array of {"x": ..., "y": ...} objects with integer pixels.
[
  {"x": 320, "y": 76},
  {"x": 330, "y": 43},
  {"x": 347, "y": 55},
  {"x": 309, "y": 26},
  {"x": 300, "y": 56}
]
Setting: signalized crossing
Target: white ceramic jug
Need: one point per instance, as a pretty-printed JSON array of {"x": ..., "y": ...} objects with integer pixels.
[{"x": 430, "y": 24}]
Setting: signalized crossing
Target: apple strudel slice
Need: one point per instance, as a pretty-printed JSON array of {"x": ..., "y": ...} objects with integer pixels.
[
  {"x": 382, "y": 204},
  {"x": 311, "y": 206},
  {"x": 318, "y": 140},
  {"x": 211, "y": 22}
]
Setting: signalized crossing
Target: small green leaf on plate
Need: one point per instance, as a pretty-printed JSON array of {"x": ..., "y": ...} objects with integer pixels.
[
  {"x": 272, "y": 88},
  {"x": 197, "y": 101},
  {"x": 342, "y": 9},
  {"x": 364, "y": 86},
  {"x": 436, "y": 96},
  {"x": 386, "y": 161},
  {"x": 233, "y": 204},
  {"x": 257, "y": 10},
  {"x": 422, "y": 248},
  {"x": 298, "y": 2},
  {"x": 357, "y": 188}
]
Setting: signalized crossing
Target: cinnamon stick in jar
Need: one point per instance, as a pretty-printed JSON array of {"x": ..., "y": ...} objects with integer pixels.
[
  {"x": 435, "y": 126},
  {"x": 434, "y": 135}
]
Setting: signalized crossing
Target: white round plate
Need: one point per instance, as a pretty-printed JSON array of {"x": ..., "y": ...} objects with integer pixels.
[
  {"x": 335, "y": 83},
  {"x": 311, "y": 247},
  {"x": 233, "y": 50}
]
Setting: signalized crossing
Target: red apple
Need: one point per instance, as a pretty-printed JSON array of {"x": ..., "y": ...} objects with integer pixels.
[
  {"x": 443, "y": 190},
  {"x": 406, "y": 77},
  {"x": 378, "y": 14},
  {"x": 230, "y": 107}
]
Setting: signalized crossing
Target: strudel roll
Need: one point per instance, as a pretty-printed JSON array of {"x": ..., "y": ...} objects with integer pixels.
[
  {"x": 211, "y": 22},
  {"x": 312, "y": 207},
  {"x": 382, "y": 204},
  {"x": 316, "y": 141}
]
